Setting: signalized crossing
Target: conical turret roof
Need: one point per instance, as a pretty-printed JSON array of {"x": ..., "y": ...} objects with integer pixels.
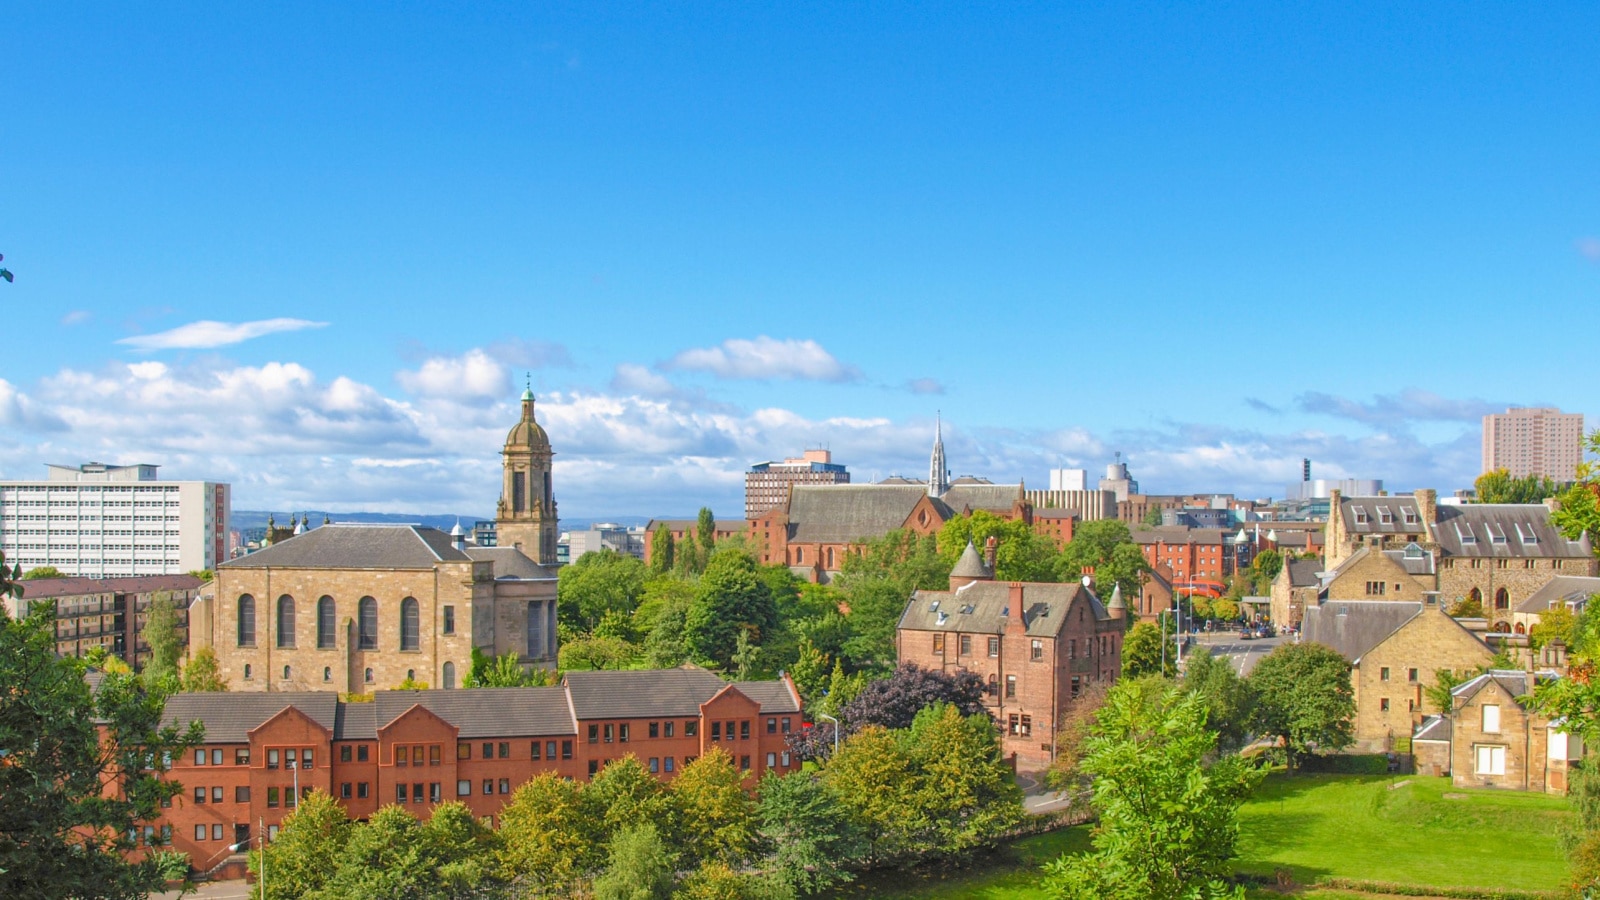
[{"x": 970, "y": 565}]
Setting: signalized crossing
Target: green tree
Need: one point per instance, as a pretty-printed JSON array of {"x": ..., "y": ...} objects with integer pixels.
[
  {"x": 718, "y": 881},
  {"x": 1152, "y": 517},
  {"x": 640, "y": 866},
  {"x": 83, "y": 769},
  {"x": 308, "y": 850},
  {"x": 598, "y": 583},
  {"x": 505, "y": 670},
  {"x": 1021, "y": 554},
  {"x": 1225, "y": 609},
  {"x": 201, "y": 673},
  {"x": 873, "y": 586},
  {"x": 1467, "y": 608},
  {"x": 716, "y": 818},
  {"x": 1268, "y": 563},
  {"x": 1439, "y": 694},
  {"x": 705, "y": 531},
  {"x": 1303, "y": 696},
  {"x": 810, "y": 671},
  {"x": 38, "y": 572},
  {"x": 1555, "y": 623},
  {"x": 1230, "y": 704},
  {"x": 550, "y": 841},
  {"x": 731, "y": 599},
  {"x": 166, "y": 645},
  {"x": 1107, "y": 547},
  {"x": 1499, "y": 487},
  {"x": 967, "y": 791},
  {"x": 1579, "y": 510},
  {"x": 873, "y": 775},
  {"x": 812, "y": 836},
  {"x": 1167, "y": 819},
  {"x": 625, "y": 793},
  {"x": 661, "y": 550},
  {"x": 1142, "y": 652},
  {"x": 594, "y": 652}
]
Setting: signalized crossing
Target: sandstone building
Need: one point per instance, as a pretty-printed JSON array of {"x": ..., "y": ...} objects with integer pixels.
[
  {"x": 1492, "y": 738},
  {"x": 1036, "y": 646},
  {"x": 358, "y": 608}
]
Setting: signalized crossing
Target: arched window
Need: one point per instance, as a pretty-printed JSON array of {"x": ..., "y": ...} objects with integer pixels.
[
  {"x": 285, "y": 673},
  {"x": 367, "y": 676},
  {"x": 368, "y": 639},
  {"x": 246, "y": 671},
  {"x": 411, "y": 674},
  {"x": 327, "y": 673},
  {"x": 1502, "y": 599},
  {"x": 1476, "y": 596},
  {"x": 410, "y": 637},
  {"x": 327, "y": 637},
  {"x": 448, "y": 682},
  {"x": 1519, "y": 628},
  {"x": 535, "y": 629},
  {"x": 286, "y": 622},
  {"x": 247, "y": 621}
]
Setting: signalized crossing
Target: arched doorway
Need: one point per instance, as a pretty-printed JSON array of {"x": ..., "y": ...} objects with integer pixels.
[{"x": 1519, "y": 629}]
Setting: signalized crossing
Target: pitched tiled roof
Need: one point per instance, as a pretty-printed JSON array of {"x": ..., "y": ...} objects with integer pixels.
[
  {"x": 970, "y": 565},
  {"x": 1505, "y": 530},
  {"x": 1560, "y": 589},
  {"x": 1303, "y": 572},
  {"x": 485, "y": 712},
  {"x": 342, "y": 546},
  {"x": 1352, "y": 627},
  {"x": 230, "y": 717},
  {"x": 1176, "y": 534},
  {"x": 1433, "y": 728},
  {"x": 138, "y": 584},
  {"x": 1366, "y": 515},
  {"x": 641, "y": 694},
  {"x": 994, "y": 497},
  {"x": 509, "y": 562},
  {"x": 985, "y": 607},
  {"x": 1513, "y": 681},
  {"x": 775, "y": 696},
  {"x": 849, "y": 512}
]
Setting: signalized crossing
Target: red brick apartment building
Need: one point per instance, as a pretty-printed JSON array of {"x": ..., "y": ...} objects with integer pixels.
[
  {"x": 1189, "y": 552},
  {"x": 108, "y": 612},
  {"x": 1036, "y": 646},
  {"x": 422, "y": 748}
]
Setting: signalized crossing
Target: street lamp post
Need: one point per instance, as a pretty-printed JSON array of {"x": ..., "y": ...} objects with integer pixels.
[{"x": 835, "y": 730}]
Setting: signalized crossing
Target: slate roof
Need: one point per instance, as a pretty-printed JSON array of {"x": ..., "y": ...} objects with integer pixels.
[
  {"x": 774, "y": 696},
  {"x": 352, "y": 546},
  {"x": 1397, "y": 507},
  {"x": 231, "y": 716},
  {"x": 635, "y": 694},
  {"x": 1433, "y": 728},
  {"x": 1505, "y": 530},
  {"x": 509, "y": 562},
  {"x": 970, "y": 565},
  {"x": 1303, "y": 572},
  {"x": 961, "y": 496},
  {"x": 984, "y": 607},
  {"x": 1412, "y": 558},
  {"x": 39, "y": 588},
  {"x": 484, "y": 712},
  {"x": 849, "y": 512},
  {"x": 1352, "y": 627},
  {"x": 1056, "y": 513},
  {"x": 1176, "y": 534},
  {"x": 1560, "y": 589},
  {"x": 1513, "y": 681}
]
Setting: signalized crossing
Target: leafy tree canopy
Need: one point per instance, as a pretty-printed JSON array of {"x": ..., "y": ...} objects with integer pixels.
[
  {"x": 201, "y": 674},
  {"x": 1303, "y": 696},
  {"x": 730, "y": 599},
  {"x": 1499, "y": 487},
  {"x": 599, "y": 582},
  {"x": 1142, "y": 652},
  {"x": 894, "y": 702},
  {"x": 43, "y": 572},
  {"x": 1021, "y": 554}
]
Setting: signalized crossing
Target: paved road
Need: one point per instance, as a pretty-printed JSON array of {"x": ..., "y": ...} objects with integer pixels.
[
  {"x": 216, "y": 890},
  {"x": 1241, "y": 653}
]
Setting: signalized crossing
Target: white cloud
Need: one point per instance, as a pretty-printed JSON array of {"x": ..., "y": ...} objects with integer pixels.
[
  {"x": 925, "y": 386},
  {"x": 473, "y": 375},
  {"x": 76, "y": 317},
  {"x": 288, "y": 437},
  {"x": 206, "y": 334},
  {"x": 765, "y": 358}
]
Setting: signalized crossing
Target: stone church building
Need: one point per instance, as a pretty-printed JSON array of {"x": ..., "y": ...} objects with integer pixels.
[{"x": 356, "y": 608}]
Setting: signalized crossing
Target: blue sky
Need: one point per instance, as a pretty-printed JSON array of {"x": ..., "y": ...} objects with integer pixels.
[{"x": 311, "y": 251}]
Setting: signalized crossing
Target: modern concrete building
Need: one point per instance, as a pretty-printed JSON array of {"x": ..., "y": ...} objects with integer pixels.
[
  {"x": 766, "y": 484},
  {"x": 102, "y": 521},
  {"x": 1533, "y": 441}
]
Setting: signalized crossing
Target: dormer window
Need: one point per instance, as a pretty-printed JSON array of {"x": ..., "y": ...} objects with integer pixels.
[
  {"x": 1385, "y": 517},
  {"x": 1497, "y": 534},
  {"x": 1361, "y": 516},
  {"x": 1410, "y": 516},
  {"x": 1526, "y": 534},
  {"x": 1466, "y": 536}
]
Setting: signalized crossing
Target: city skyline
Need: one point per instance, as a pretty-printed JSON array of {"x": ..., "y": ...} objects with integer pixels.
[{"x": 313, "y": 254}]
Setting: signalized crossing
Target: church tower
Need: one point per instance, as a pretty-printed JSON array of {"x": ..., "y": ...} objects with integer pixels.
[
  {"x": 526, "y": 516},
  {"x": 938, "y": 472}
]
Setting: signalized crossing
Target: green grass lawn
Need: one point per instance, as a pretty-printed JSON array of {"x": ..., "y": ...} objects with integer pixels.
[
  {"x": 1357, "y": 827},
  {"x": 1316, "y": 825}
]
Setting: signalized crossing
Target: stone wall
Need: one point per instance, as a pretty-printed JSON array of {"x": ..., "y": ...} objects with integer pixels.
[
  {"x": 1376, "y": 576},
  {"x": 1409, "y": 658}
]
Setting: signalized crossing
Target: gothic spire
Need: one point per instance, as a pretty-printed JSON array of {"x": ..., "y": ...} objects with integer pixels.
[{"x": 938, "y": 473}]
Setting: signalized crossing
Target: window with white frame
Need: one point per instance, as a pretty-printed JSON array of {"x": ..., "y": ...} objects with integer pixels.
[
  {"x": 1490, "y": 760},
  {"x": 1491, "y": 718}
]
